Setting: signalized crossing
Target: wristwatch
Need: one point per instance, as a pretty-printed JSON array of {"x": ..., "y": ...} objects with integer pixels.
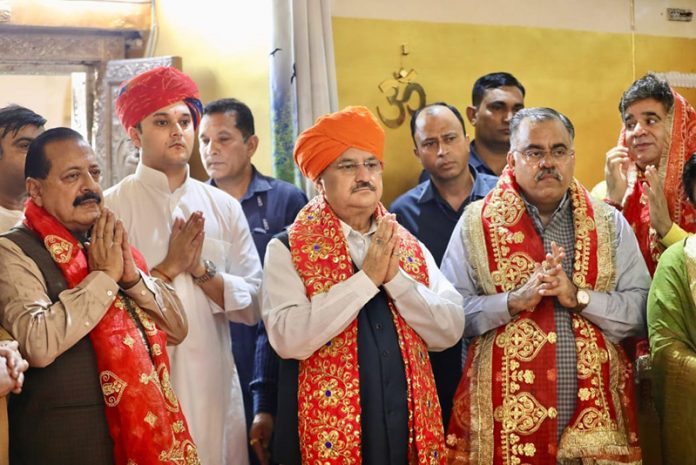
[
  {"x": 583, "y": 298},
  {"x": 210, "y": 271}
]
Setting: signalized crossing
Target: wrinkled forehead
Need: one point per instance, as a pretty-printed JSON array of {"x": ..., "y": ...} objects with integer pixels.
[{"x": 545, "y": 132}]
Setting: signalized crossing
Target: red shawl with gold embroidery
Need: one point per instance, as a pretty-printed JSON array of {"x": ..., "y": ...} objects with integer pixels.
[
  {"x": 678, "y": 148},
  {"x": 143, "y": 414},
  {"x": 329, "y": 381},
  {"x": 505, "y": 406}
]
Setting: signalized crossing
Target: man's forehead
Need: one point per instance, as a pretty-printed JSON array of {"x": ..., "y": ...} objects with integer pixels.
[
  {"x": 647, "y": 106},
  {"x": 532, "y": 130},
  {"x": 503, "y": 94}
]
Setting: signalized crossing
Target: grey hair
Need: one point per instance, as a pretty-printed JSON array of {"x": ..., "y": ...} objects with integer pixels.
[{"x": 538, "y": 114}]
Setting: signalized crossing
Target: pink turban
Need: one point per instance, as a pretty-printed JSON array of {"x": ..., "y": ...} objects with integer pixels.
[
  {"x": 158, "y": 88},
  {"x": 332, "y": 134}
]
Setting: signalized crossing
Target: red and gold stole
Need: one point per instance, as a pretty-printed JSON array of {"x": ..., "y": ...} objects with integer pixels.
[
  {"x": 679, "y": 146},
  {"x": 505, "y": 406},
  {"x": 329, "y": 381},
  {"x": 143, "y": 413}
]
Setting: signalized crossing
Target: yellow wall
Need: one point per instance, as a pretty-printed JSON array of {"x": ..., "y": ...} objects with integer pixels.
[
  {"x": 581, "y": 74},
  {"x": 224, "y": 47}
]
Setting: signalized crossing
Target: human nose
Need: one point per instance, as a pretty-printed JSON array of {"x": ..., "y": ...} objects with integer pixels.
[{"x": 639, "y": 130}]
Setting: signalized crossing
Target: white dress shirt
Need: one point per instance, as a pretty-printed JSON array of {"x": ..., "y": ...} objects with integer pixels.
[
  {"x": 203, "y": 373},
  {"x": 298, "y": 326}
]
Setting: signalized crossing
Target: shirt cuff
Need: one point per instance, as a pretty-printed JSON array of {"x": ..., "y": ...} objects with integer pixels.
[
  {"x": 674, "y": 235},
  {"x": 399, "y": 285},
  {"x": 102, "y": 287},
  {"x": 264, "y": 397}
]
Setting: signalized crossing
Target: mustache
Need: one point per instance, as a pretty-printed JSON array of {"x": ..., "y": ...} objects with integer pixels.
[
  {"x": 87, "y": 197},
  {"x": 548, "y": 171},
  {"x": 364, "y": 184}
]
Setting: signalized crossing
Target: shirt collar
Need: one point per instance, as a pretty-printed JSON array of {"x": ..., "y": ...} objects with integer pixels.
[
  {"x": 478, "y": 189},
  {"x": 476, "y": 162},
  {"x": 156, "y": 178},
  {"x": 348, "y": 231},
  {"x": 534, "y": 211},
  {"x": 259, "y": 183}
]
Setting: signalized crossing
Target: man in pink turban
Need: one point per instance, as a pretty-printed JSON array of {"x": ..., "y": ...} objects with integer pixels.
[
  {"x": 353, "y": 302},
  {"x": 198, "y": 239}
]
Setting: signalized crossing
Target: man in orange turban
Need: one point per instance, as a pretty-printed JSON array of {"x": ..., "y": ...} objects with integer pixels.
[{"x": 353, "y": 302}]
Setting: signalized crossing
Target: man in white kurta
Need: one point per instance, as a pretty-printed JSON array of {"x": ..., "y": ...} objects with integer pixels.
[{"x": 161, "y": 200}]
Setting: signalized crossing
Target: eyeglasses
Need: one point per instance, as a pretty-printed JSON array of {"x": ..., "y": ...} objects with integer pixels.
[
  {"x": 536, "y": 155},
  {"x": 373, "y": 166}
]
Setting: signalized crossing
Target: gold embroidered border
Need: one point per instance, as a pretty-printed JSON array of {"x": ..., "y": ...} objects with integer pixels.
[
  {"x": 606, "y": 252},
  {"x": 472, "y": 234},
  {"x": 482, "y": 442}
]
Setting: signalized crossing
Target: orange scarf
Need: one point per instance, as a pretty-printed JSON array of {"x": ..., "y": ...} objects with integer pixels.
[
  {"x": 678, "y": 148},
  {"x": 329, "y": 380},
  {"x": 143, "y": 414},
  {"x": 504, "y": 409}
]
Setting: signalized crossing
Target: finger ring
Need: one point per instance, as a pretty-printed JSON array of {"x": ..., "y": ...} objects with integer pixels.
[{"x": 253, "y": 441}]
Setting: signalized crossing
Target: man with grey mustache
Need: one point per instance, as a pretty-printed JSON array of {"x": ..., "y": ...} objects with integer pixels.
[{"x": 552, "y": 281}]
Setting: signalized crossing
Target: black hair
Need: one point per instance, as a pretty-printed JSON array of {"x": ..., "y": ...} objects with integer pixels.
[
  {"x": 243, "y": 118},
  {"x": 37, "y": 166},
  {"x": 649, "y": 86},
  {"x": 15, "y": 117},
  {"x": 493, "y": 81},
  {"x": 452, "y": 108},
  {"x": 689, "y": 178}
]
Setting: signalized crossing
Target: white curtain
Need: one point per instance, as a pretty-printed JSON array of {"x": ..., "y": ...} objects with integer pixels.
[{"x": 302, "y": 74}]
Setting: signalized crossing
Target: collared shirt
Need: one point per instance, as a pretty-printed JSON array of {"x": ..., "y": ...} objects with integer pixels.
[
  {"x": 9, "y": 218},
  {"x": 424, "y": 212},
  {"x": 203, "y": 373},
  {"x": 476, "y": 162},
  {"x": 619, "y": 314},
  {"x": 270, "y": 205},
  {"x": 298, "y": 326}
]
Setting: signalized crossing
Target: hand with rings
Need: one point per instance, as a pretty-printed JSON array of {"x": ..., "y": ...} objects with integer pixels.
[{"x": 381, "y": 261}]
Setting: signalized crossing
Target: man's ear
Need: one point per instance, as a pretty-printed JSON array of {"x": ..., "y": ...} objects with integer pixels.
[
  {"x": 471, "y": 114},
  {"x": 134, "y": 135},
  {"x": 252, "y": 144},
  {"x": 319, "y": 185},
  {"x": 511, "y": 160},
  {"x": 34, "y": 190}
]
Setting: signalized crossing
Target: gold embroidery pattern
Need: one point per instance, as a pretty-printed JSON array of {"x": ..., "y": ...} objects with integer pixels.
[
  {"x": 606, "y": 253},
  {"x": 172, "y": 403},
  {"x": 473, "y": 233},
  {"x": 128, "y": 341},
  {"x": 522, "y": 414},
  {"x": 156, "y": 349},
  {"x": 584, "y": 225},
  {"x": 112, "y": 387},
  {"x": 522, "y": 339},
  {"x": 60, "y": 249},
  {"x": 181, "y": 453},
  {"x": 150, "y": 419}
]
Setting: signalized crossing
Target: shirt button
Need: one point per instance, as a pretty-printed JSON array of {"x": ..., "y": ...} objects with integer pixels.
[
  {"x": 379, "y": 326},
  {"x": 109, "y": 293},
  {"x": 385, "y": 353},
  {"x": 142, "y": 292},
  {"x": 87, "y": 323},
  {"x": 164, "y": 309}
]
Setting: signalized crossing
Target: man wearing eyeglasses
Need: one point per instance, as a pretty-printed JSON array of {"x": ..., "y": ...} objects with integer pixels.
[
  {"x": 552, "y": 280},
  {"x": 356, "y": 302}
]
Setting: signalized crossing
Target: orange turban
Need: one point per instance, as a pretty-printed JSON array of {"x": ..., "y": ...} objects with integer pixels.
[
  {"x": 335, "y": 133},
  {"x": 158, "y": 88}
]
